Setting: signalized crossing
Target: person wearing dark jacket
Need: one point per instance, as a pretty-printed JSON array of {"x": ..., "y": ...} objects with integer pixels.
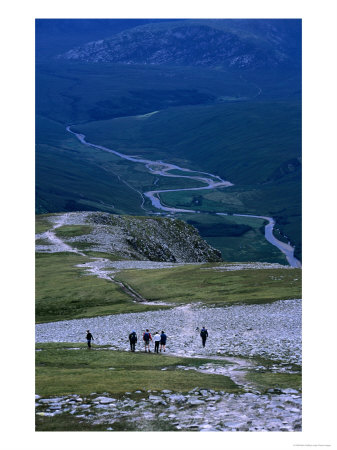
[
  {"x": 162, "y": 341},
  {"x": 89, "y": 338},
  {"x": 147, "y": 338},
  {"x": 133, "y": 340},
  {"x": 204, "y": 335}
]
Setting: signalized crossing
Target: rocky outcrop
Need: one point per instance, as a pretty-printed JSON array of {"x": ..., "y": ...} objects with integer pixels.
[{"x": 135, "y": 238}]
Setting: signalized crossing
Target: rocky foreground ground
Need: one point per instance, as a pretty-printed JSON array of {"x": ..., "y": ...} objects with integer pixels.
[{"x": 198, "y": 410}]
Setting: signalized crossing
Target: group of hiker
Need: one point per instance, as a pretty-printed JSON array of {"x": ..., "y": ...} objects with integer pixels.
[{"x": 158, "y": 339}]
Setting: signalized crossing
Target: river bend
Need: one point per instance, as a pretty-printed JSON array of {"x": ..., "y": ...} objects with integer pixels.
[{"x": 211, "y": 182}]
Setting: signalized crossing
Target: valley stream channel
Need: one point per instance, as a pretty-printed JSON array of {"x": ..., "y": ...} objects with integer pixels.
[{"x": 211, "y": 182}]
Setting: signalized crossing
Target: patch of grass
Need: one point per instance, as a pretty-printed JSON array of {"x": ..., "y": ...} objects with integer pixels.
[
  {"x": 42, "y": 242},
  {"x": 267, "y": 380},
  {"x": 82, "y": 245},
  {"x": 61, "y": 372},
  {"x": 68, "y": 231},
  {"x": 212, "y": 287},
  {"x": 110, "y": 256},
  {"x": 176, "y": 183},
  {"x": 42, "y": 224},
  {"x": 65, "y": 422},
  {"x": 64, "y": 292}
]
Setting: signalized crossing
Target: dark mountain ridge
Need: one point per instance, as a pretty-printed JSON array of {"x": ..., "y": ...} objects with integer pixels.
[
  {"x": 236, "y": 44},
  {"x": 55, "y": 36}
]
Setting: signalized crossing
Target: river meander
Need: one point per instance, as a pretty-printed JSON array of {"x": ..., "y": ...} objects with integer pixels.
[{"x": 211, "y": 182}]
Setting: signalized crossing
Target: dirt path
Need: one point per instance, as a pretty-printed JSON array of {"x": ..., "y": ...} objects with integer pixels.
[
  {"x": 95, "y": 266},
  {"x": 59, "y": 244}
]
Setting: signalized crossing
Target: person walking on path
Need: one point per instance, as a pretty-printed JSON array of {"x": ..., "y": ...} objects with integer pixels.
[
  {"x": 162, "y": 341},
  {"x": 133, "y": 340},
  {"x": 204, "y": 335},
  {"x": 147, "y": 338},
  {"x": 156, "y": 339},
  {"x": 89, "y": 338}
]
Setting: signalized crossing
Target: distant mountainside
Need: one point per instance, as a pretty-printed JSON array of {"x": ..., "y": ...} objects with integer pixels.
[
  {"x": 55, "y": 36},
  {"x": 125, "y": 237},
  {"x": 238, "y": 44}
]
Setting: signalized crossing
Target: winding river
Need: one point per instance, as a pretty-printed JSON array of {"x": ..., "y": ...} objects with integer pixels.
[{"x": 211, "y": 181}]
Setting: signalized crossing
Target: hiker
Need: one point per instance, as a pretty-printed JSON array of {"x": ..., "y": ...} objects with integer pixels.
[
  {"x": 133, "y": 340},
  {"x": 162, "y": 341},
  {"x": 89, "y": 338},
  {"x": 204, "y": 335},
  {"x": 156, "y": 339},
  {"x": 147, "y": 338}
]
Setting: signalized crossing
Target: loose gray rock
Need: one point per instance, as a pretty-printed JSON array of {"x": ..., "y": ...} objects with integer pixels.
[
  {"x": 195, "y": 401},
  {"x": 105, "y": 400},
  {"x": 177, "y": 398}
]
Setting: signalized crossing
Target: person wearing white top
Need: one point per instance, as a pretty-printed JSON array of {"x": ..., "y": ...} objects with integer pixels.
[{"x": 156, "y": 339}]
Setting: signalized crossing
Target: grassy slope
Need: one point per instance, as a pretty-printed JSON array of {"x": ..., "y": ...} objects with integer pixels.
[
  {"x": 71, "y": 92},
  {"x": 276, "y": 380},
  {"x": 42, "y": 224},
  {"x": 217, "y": 137},
  {"x": 61, "y": 372},
  {"x": 63, "y": 292},
  {"x": 71, "y": 176},
  {"x": 195, "y": 283}
]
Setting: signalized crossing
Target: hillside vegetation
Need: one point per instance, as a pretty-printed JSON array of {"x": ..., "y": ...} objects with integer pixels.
[{"x": 212, "y": 285}]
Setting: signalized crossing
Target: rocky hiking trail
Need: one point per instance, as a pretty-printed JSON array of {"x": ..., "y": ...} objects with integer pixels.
[
  {"x": 237, "y": 336},
  {"x": 58, "y": 244}
]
